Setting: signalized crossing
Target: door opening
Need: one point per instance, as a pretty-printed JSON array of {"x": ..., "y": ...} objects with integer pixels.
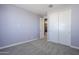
[{"x": 45, "y": 27}]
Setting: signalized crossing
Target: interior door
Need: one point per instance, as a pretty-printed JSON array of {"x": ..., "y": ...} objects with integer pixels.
[
  {"x": 65, "y": 27},
  {"x": 53, "y": 27},
  {"x": 41, "y": 28}
]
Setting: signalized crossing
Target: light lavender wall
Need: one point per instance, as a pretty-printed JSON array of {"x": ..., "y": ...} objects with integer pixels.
[
  {"x": 75, "y": 26},
  {"x": 17, "y": 25}
]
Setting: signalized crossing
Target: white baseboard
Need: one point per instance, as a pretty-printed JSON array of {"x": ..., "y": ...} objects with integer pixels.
[
  {"x": 74, "y": 47},
  {"x": 18, "y": 43},
  {"x": 66, "y": 45}
]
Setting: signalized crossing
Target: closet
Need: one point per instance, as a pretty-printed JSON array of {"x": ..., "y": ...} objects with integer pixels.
[{"x": 59, "y": 27}]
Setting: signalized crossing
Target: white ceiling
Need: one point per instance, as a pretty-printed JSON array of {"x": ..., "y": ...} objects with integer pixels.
[{"x": 40, "y": 9}]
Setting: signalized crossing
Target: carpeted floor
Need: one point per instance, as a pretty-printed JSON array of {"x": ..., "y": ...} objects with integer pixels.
[{"x": 39, "y": 47}]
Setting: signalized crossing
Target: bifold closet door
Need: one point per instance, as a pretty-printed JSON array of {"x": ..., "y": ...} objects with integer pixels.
[
  {"x": 59, "y": 27},
  {"x": 53, "y": 27},
  {"x": 64, "y": 36}
]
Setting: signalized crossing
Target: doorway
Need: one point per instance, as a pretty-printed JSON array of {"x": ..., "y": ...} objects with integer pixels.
[{"x": 45, "y": 28}]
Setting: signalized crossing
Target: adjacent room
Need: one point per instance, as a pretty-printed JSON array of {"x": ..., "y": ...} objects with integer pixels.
[{"x": 39, "y": 29}]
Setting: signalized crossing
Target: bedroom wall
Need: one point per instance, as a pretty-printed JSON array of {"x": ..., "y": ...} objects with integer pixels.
[
  {"x": 75, "y": 26},
  {"x": 17, "y": 25}
]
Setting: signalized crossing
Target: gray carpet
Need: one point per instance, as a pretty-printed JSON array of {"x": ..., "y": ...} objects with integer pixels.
[{"x": 39, "y": 47}]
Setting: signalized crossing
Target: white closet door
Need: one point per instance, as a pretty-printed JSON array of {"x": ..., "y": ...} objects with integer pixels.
[
  {"x": 65, "y": 27},
  {"x": 53, "y": 27}
]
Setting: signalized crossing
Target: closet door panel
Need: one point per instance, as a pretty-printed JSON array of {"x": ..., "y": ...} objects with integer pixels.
[
  {"x": 53, "y": 27},
  {"x": 65, "y": 27}
]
